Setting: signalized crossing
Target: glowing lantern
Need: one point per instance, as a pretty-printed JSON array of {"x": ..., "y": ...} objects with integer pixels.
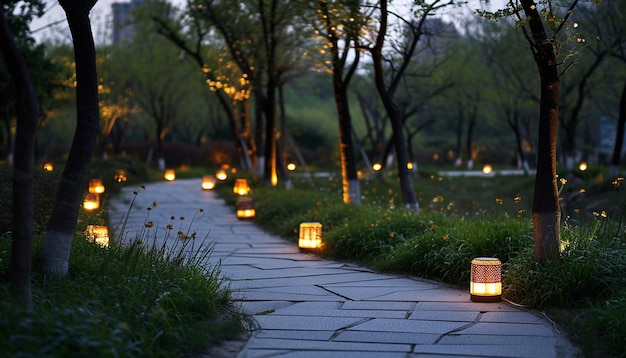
[
  {"x": 486, "y": 279},
  {"x": 48, "y": 167},
  {"x": 377, "y": 167},
  {"x": 241, "y": 187},
  {"x": 99, "y": 234},
  {"x": 96, "y": 186},
  {"x": 410, "y": 166},
  {"x": 208, "y": 182},
  {"x": 245, "y": 208},
  {"x": 221, "y": 175},
  {"x": 169, "y": 175},
  {"x": 582, "y": 166},
  {"x": 487, "y": 169},
  {"x": 310, "y": 235},
  {"x": 120, "y": 176},
  {"x": 91, "y": 202},
  {"x": 291, "y": 167}
]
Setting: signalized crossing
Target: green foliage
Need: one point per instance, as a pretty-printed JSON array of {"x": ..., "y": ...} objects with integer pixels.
[{"x": 139, "y": 301}]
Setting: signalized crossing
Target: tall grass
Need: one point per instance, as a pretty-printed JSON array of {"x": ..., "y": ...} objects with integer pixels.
[{"x": 140, "y": 299}]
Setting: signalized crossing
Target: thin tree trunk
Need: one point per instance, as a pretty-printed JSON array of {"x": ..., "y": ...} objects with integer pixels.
[
  {"x": 28, "y": 112},
  {"x": 61, "y": 225},
  {"x": 546, "y": 214}
]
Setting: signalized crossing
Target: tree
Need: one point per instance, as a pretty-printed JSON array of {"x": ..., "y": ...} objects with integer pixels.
[
  {"x": 546, "y": 214},
  {"x": 340, "y": 25},
  {"x": 28, "y": 112},
  {"x": 388, "y": 79},
  {"x": 60, "y": 229}
]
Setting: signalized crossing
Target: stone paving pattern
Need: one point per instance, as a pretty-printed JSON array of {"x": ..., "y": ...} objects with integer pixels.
[{"x": 305, "y": 306}]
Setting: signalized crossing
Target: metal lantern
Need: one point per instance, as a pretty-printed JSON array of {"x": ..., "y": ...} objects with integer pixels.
[
  {"x": 208, "y": 182},
  {"x": 169, "y": 175},
  {"x": 245, "y": 208},
  {"x": 91, "y": 202},
  {"x": 310, "y": 236},
  {"x": 486, "y": 279},
  {"x": 241, "y": 187},
  {"x": 96, "y": 186},
  {"x": 99, "y": 234}
]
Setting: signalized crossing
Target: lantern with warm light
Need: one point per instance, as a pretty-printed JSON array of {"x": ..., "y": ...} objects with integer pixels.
[
  {"x": 377, "y": 167},
  {"x": 291, "y": 167},
  {"x": 208, "y": 182},
  {"x": 582, "y": 166},
  {"x": 120, "y": 176},
  {"x": 169, "y": 175},
  {"x": 486, "y": 279},
  {"x": 241, "y": 187},
  {"x": 221, "y": 175},
  {"x": 99, "y": 234},
  {"x": 310, "y": 236},
  {"x": 96, "y": 186},
  {"x": 91, "y": 202},
  {"x": 487, "y": 169},
  {"x": 245, "y": 208},
  {"x": 48, "y": 167}
]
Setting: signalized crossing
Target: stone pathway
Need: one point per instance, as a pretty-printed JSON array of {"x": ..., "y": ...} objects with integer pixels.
[{"x": 304, "y": 306}]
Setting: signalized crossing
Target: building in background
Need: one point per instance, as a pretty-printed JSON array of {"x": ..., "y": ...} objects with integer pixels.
[{"x": 123, "y": 29}]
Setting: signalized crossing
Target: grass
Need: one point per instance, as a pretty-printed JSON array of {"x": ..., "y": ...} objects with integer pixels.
[
  {"x": 135, "y": 300},
  {"x": 462, "y": 218}
]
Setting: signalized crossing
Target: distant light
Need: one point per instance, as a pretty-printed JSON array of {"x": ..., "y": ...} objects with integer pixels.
[
  {"x": 48, "y": 167},
  {"x": 487, "y": 169},
  {"x": 377, "y": 167},
  {"x": 583, "y": 166},
  {"x": 291, "y": 167}
]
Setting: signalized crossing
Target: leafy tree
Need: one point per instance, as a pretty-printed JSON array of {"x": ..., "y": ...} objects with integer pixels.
[{"x": 60, "y": 229}]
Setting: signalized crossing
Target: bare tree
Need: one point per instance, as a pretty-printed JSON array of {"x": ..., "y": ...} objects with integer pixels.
[{"x": 60, "y": 230}]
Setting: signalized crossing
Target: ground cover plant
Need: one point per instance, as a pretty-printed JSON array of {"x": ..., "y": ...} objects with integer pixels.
[
  {"x": 462, "y": 218},
  {"x": 137, "y": 300}
]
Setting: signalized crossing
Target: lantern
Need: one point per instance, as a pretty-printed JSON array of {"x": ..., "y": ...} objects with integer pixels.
[
  {"x": 221, "y": 175},
  {"x": 310, "y": 235},
  {"x": 48, "y": 167},
  {"x": 91, "y": 202},
  {"x": 487, "y": 169},
  {"x": 120, "y": 176},
  {"x": 486, "y": 279},
  {"x": 208, "y": 182},
  {"x": 291, "y": 167},
  {"x": 96, "y": 186},
  {"x": 582, "y": 166},
  {"x": 99, "y": 234},
  {"x": 245, "y": 208},
  {"x": 377, "y": 167},
  {"x": 169, "y": 175},
  {"x": 241, "y": 187}
]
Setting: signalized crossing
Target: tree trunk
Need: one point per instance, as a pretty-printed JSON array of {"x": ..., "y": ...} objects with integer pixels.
[
  {"x": 546, "y": 214},
  {"x": 28, "y": 112},
  {"x": 61, "y": 225},
  {"x": 619, "y": 135}
]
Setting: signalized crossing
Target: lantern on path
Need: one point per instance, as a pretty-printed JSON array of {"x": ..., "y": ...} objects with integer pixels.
[
  {"x": 241, "y": 187},
  {"x": 208, "y": 182},
  {"x": 169, "y": 175},
  {"x": 91, "y": 202},
  {"x": 221, "y": 174},
  {"x": 310, "y": 236},
  {"x": 99, "y": 234},
  {"x": 486, "y": 279},
  {"x": 245, "y": 208},
  {"x": 120, "y": 176},
  {"x": 96, "y": 186}
]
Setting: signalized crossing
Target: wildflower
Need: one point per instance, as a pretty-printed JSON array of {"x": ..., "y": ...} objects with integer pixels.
[
  {"x": 140, "y": 241},
  {"x": 155, "y": 204},
  {"x": 563, "y": 181},
  {"x": 149, "y": 208},
  {"x": 172, "y": 217},
  {"x": 438, "y": 199},
  {"x": 446, "y": 237},
  {"x": 517, "y": 199},
  {"x": 143, "y": 187},
  {"x": 149, "y": 224},
  {"x": 582, "y": 191},
  {"x": 169, "y": 226},
  {"x": 603, "y": 214},
  {"x": 576, "y": 210},
  {"x": 201, "y": 210},
  {"x": 498, "y": 201},
  {"x": 182, "y": 218},
  {"x": 392, "y": 234}
]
